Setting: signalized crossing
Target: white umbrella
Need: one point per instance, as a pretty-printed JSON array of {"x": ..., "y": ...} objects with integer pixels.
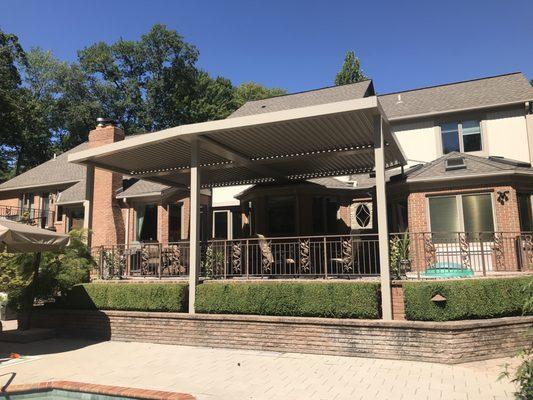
[{"x": 21, "y": 238}]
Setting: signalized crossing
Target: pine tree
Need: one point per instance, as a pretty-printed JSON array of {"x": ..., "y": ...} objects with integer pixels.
[{"x": 351, "y": 70}]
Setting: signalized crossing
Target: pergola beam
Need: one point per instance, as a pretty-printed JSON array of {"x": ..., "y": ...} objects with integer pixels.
[{"x": 228, "y": 153}]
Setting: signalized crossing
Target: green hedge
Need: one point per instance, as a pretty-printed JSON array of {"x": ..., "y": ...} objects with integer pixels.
[
  {"x": 465, "y": 299},
  {"x": 128, "y": 296},
  {"x": 327, "y": 299}
]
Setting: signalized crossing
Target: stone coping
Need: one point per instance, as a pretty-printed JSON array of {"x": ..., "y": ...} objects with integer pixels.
[
  {"x": 427, "y": 325},
  {"x": 95, "y": 389}
]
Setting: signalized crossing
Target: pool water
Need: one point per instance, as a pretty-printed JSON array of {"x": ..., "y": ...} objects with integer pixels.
[{"x": 57, "y": 394}]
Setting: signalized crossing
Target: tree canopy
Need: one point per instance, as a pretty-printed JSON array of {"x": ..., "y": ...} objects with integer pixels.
[
  {"x": 351, "y": 71},
  {"x": 48, "y": 105}
]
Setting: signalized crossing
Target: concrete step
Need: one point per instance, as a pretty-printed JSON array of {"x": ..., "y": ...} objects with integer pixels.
[{"x": 30, "y": 335}]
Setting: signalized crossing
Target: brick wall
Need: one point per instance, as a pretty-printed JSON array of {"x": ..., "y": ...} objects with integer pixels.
[
  {"x": 398, "y": 305},
  {"x": 444, "y": 342},
  {"x": 107, "y": 222}
]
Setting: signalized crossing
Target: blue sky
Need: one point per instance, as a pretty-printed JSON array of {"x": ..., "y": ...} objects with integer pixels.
[{"x": 300, "y": 45}]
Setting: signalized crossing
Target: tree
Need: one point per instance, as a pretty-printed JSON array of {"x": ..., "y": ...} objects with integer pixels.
[
  {"x": 254, "y": 91},
  {"x": 351, "y": 70},
  {"x": 12, "y": 56}
]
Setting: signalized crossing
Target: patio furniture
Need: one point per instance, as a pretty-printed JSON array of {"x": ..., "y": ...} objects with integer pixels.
[
  {"x": 447, "y": 270},
  {"x": 267, "y": 257}
]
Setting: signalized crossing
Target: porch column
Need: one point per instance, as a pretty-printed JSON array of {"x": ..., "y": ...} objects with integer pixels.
[
  {"x": 194, "y": 233},
  {"x": 383, "y": 230}
]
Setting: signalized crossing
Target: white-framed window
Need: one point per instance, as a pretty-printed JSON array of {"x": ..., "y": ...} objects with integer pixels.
[
  {"x": 464, "y": 136},
  {"x": 222, "y": 224},
  {"x": 472, "y": 213},
  {"x": 361, "y": 215}
]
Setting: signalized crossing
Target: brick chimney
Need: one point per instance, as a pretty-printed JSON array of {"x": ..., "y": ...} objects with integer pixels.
[{"x": 107, "y": 224}]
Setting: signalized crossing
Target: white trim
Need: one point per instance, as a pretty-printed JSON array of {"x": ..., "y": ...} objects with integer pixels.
[{"x": 229, "y": 224}]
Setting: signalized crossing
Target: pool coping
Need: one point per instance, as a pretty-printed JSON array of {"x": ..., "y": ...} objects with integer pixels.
[{"x": 107, "y": 390}]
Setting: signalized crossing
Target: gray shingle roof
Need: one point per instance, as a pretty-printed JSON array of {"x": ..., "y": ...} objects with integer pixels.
[
  {"x": 308, "y": 98},
  {"x": 73, "y": 194},
  {"x": 326, "y": 182},
  {"x": 479, "y": 93},
  {"x": 52, "y": 172},
  {"x": 475, "y": 166},
  {"x": 142, "y": 188}
]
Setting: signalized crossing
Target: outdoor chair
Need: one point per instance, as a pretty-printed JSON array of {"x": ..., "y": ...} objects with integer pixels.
[{"x": 268, "y": 259}]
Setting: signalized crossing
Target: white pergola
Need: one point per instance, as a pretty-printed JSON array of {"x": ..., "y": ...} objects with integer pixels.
[{"x": 340, "y": 138}]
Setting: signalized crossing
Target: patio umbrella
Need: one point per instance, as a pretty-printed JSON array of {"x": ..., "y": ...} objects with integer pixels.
[{"x": 21, "y": 238}]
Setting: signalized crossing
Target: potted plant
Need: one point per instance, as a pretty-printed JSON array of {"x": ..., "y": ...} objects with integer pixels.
[{"x": 400, "y": 262}]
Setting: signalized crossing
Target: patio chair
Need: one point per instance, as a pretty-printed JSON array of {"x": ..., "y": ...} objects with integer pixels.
[{"x": 267, "y": 258}]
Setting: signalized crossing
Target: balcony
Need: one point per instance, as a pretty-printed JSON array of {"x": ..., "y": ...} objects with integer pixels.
[
  {"x": 415, "y": 255},
  {"x": 43, "y": 219}
]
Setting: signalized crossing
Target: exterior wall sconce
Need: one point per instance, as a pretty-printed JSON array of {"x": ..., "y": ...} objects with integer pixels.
[
  {"x": 438, "y": 299},
  {"x": 503, "y": 197}
]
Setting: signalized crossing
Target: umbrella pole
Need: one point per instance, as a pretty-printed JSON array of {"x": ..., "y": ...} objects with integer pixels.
[{"x": 33, "y": 287}]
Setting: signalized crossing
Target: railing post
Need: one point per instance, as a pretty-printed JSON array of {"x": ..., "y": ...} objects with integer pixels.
[
  {"x": 481, "y": 244},
  {"x": 160, "y": 250},
  {"x": 225, "y": 257},
  {"x": 325, "y": 245},
  {"x": 247, "y": 257}
]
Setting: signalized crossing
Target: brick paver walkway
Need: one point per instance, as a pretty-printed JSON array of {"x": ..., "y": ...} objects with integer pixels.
[{"x": 234, "y": 374}]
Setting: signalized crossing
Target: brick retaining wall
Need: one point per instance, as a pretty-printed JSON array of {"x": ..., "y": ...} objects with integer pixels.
[{"x": 444, "y": 342}]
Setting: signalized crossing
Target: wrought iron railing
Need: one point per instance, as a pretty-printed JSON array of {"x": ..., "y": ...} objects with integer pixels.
[
  {"x": 37, "y": 217},
  {"x": 412, "y": 255}
]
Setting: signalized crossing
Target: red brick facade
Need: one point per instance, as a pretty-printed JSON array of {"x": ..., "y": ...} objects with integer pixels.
[{"x": 107, "y": 222}]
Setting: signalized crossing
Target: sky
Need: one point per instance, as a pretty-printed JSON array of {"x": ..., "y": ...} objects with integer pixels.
[{"x": 300, "y": 45}]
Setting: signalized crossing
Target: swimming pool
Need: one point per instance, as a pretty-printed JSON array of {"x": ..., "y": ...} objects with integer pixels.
[{"x": 63, "y": 390}]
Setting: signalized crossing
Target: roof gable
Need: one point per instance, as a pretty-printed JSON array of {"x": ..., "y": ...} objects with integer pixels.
[
  {"x": 478, "y": 93},
  {"x": 56, "y": 171},
  {"x": 308, "y": 98}
]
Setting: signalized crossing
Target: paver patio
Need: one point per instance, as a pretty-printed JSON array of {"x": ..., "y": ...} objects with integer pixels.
[{"x": 234, "y": 374}]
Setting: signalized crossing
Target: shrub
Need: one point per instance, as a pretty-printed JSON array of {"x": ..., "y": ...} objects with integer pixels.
[
  {"x": 327, "y": 299},
  {"x": 128, "y": 296},
  {"x": 465, "y": 299}
]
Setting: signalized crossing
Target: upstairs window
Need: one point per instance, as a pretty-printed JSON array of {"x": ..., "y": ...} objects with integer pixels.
[{"x": 462, "y": 136}]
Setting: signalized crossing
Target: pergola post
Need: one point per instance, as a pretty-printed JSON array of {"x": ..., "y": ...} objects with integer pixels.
[
  {"x": 194, "y": 233},
  {"x": 383, "y": 230}
]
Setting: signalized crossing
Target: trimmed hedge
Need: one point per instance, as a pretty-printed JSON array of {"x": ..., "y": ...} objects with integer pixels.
[
  {"x": 304, "y": 299},
  {"x": 465, "y": 299},
  {"x": 129, "y": 297}
]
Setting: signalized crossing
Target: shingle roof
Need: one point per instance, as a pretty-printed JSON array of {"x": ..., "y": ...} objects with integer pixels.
[
  {"x": 326, "y": 182},
  {"x": 73, "y": 194},
  {"x": 309, "y": 98},
  {"x": 142, "y": 188},
  {"x": 52, "y": 172},
  {"x": 475, "y": 166},
  {"x": 478, "y": 93}
]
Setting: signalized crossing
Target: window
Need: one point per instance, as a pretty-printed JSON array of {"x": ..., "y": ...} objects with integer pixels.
[
  {"x": 75, "y": 218},
  {"x": 174, "y": 222},
  {"x": 146, "y": 223},
  {"x": 26, "y": 202},
  {"x": 59, "y": 213},
  {"x": 462, "y": 213},
  {"x": 45, "y": 208},
  {"x": 525, "y": 211},
  {"x": 361, "y": 215},
  {"x": 281, "y": 215},
  {"x": 221, "y": 223},
  {"x": 462, "y": 136}
]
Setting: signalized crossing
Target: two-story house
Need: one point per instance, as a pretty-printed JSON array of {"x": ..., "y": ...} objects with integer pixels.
[{"x": 468, "y": 149}]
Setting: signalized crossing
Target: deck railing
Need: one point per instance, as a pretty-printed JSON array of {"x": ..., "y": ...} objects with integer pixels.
[
  {"x": 414, "y": 255},
  {"x": 37, "y": 217}
]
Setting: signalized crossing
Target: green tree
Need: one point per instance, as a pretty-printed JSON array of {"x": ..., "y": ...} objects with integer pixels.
[
  {"x": 351, "y": 71},
  {"x": 249, "y": 91}
]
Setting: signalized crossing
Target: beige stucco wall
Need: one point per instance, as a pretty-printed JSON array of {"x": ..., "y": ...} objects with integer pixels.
[
  {"x": 419, "y": 141},
  {"x": 225, "y": 196},
  {"x": 506, "y": 133}
]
